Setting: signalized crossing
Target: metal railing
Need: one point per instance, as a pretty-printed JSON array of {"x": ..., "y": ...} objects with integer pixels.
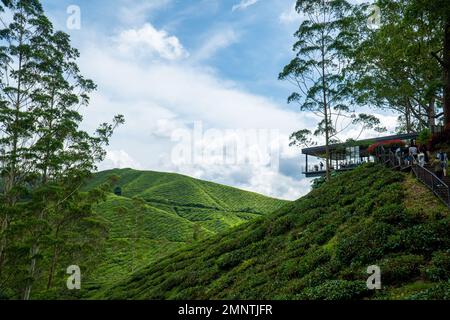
[
  {"x": 438, "y": 186},
  {"x": 431, "y": 180}
]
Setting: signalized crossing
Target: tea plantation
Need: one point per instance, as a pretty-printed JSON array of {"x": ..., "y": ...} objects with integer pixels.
[
  {"x": 157, "y": 213},
  {"x": 318, "y": 247}
]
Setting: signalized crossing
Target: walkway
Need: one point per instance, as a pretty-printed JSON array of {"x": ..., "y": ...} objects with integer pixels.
[{"x": 440, "y": 187}]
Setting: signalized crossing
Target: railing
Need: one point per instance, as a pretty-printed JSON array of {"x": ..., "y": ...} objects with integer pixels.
[
  {"x": 340, "y": 167},
  {"x": 438, "y": 186}
]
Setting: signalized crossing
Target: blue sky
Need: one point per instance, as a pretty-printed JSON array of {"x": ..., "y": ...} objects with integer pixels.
[
  {"x": 170, "y": 65},
  {"x": 261, "y": 41}
]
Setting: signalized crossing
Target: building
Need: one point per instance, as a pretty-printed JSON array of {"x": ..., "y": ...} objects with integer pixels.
[{"x": 345, "y": 156}]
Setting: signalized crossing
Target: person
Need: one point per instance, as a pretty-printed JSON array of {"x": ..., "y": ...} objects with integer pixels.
[
  {"x": 413, "y": 153},
  {"x": 421, "y": 159},
  {"x": 426, "y": 152},
  {"x": 316, "y": 167},
  {"x": 438, "y": 167},
  {"x": 398, "y": 154},
  {"x": 443, "y": 158},
  {"x": 321, "y": 166},
  {"x": 408, "y": 160}
]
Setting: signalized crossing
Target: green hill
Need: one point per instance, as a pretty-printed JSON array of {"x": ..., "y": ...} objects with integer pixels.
[
  {"x": 158, "y": 213},
  {"x": 318, "y": 247}
]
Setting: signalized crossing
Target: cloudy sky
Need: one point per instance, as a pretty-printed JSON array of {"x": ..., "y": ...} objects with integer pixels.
[{"x": 193, "y": 73}]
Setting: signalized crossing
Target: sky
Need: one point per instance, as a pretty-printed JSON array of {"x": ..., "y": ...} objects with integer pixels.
[{"x": 197, "y": 82}]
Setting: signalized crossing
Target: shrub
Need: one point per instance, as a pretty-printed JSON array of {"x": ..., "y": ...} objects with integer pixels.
[
  {"x": 424, "y": 238},
  {"x": 280, "y": 226},
  {"x": 439, "y": 268},
  {"x": 394, "y": 214},
  {"x": 325, "y": 234},
  {"x": 396, "y": 270},
  {"x": 363, "y": 244},
  {"x": 232, "y": 259},
  {"x": 312, "y": 260},
  {"x": 440, "y": 291},
  {"x": 336, "y": 290}
]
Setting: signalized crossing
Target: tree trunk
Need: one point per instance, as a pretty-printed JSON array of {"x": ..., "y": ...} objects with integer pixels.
[
  {"x": 12, "y": 166},
  {"x": 408, "y": 117},
  {"x": 52, "y": 267},
  {"x": 431, "y": 112},
  {"x": 446, "y": 67},
  {"x": 34, "y": 252},
  {"x": 29, "y": 286},
  {"x": 325, "y": 105}
]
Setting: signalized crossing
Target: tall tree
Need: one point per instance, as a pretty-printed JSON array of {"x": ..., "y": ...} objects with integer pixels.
[
  {"x": 19, "y": 77},
  {"x": 46, "y": 158},
  {"x": 319, "y": 70},
  {"x": 393, "y": 67},
  {"x": 436, "y": 13}
]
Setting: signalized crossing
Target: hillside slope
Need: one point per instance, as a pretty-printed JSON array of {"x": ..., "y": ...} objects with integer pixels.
[
  {"x": 318, "y": 247},
  {"x": 158, "y": 213}
]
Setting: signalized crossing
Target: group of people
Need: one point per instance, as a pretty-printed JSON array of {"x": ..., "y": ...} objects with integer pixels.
[{"x": 413, "y": 154}]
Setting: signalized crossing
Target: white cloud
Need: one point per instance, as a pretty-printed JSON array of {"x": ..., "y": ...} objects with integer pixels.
[
  {"x": 158, "y": 97},
  {"x": 119, "y": 159},
  {"x": 220, "y": 39},
  {"x": 244, "y": 4},
  {"x": 134, "y": 12},
  {"x": 150, "y": 42}
]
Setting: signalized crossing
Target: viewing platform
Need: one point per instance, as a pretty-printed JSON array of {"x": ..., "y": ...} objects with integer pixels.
[{"x": 346, "y": 156}]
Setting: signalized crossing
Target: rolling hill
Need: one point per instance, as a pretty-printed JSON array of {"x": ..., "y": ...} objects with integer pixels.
[
  {"x": 318, "y": 247},
  {"x": 158, "y": 213}
]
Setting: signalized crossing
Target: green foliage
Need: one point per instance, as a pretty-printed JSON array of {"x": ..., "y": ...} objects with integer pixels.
[
  {"x": 336, "y": 290},
  {"x": 318, "y": 247},
  {"x": 439, "y": 267},
  {"x": 399, "y": 269},
  {"x": 150, "y": 220},
  {"x": 45, "y": 157},
  {"x": 424, "y": 137},
  {"x": 407, "y": 74}
]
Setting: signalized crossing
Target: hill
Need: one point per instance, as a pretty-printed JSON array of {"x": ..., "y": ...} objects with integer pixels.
[
  {"x": 318, "y": 247},
  {"x": 158, "y": 213}
]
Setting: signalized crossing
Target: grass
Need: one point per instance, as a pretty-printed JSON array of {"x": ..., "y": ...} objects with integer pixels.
[{"x": 318, "y": 247}]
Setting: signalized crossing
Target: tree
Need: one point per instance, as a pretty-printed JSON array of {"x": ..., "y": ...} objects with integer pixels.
[
  {"x": 46, "y": 158},
  {"x": 393, "y": 67},
  {"x": 19, "y": 76},
  {"x": 437, "y": 14},
  {"x": 319, "y": 71}
]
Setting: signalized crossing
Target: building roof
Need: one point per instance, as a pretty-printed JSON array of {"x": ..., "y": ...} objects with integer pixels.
[{"x": 320, "y": 150}]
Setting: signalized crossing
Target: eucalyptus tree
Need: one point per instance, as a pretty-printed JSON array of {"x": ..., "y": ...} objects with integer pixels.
[
  {"x": 46, "y": 157},
  {"x": 19, "y": 67},
  {"x": 318, "y": 71}
]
